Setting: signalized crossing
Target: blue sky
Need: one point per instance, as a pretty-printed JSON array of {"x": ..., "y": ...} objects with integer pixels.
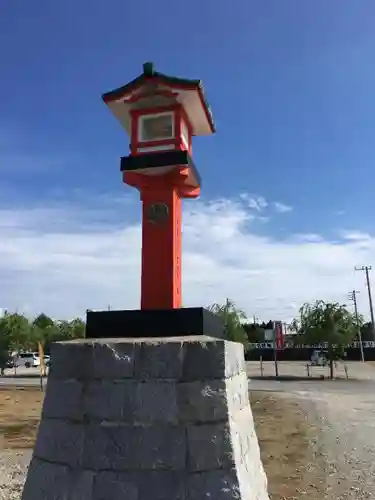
[{"x": 291, "y": 86}]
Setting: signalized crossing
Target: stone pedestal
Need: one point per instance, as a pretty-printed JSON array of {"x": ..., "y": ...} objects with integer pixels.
[{"x": 147, "y": 419}]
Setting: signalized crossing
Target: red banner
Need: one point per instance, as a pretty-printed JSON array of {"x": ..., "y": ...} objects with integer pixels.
[{"x": 279, "y": 334}]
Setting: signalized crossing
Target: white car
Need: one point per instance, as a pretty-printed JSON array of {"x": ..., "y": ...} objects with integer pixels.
[
  {"x": 319, "y": 358},
  {"x": 27, "y": 359}
]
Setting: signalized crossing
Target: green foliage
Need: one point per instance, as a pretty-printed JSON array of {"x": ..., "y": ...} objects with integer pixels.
[
  {"x": 43, "y": 321},
  {"x": 326, "y": 322},
  {"x": 233, "y": 319},
  {"x": 17, "y": 333},
  {"x": 255, "y": 333},
  {"x": 366, "y": 332},
  {"x": 15, "y": 328}
]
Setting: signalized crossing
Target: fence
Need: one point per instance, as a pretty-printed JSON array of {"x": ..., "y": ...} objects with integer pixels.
[{"x": 303, "y": 352}]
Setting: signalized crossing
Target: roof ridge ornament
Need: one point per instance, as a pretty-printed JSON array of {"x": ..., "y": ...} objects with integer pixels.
[{"x": 148, "y": 69}]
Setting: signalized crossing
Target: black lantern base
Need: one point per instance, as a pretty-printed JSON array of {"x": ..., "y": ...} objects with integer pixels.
[
  {"x": 134, "y": 163},
  {"x": 186, "y": 321}
]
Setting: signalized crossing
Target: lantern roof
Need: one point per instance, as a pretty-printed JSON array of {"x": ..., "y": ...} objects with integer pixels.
[{"x": 154, "y": 89}]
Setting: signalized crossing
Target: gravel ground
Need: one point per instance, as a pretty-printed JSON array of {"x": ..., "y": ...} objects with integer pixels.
[
  {"x": 345, "y": 437},
  {"x": 13, "y": 467}
]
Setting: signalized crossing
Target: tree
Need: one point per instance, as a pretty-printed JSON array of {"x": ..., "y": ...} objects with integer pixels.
[
  {"x": 254, "y": 332},
  {"x": 5, "y": 342},
  {"x": 327, "y": 322},
  {"x": 233, "y": 320},
  {"x": 17, "y": 333},
  {"x": 77, "y": 328},
  {"x": 43, "y": 321},
  {"x": 16, "y": 328},
  {"x": 42, "y": 329},
  {"x": 14, "y": 333},
  {"x": 366, "y": 332}
]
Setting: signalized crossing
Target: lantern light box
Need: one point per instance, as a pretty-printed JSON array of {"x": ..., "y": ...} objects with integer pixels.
[{"x": 161, "y": 114}]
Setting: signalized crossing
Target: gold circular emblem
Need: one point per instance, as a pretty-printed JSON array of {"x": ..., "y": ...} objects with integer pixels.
[{"x": 157, "y": 213}]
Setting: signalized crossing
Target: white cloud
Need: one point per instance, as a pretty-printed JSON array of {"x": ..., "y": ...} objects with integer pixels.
[
  {"x": 254, "y": 202},
  {"x": 282, "y": 208},
  {"x": 354, "y": 235},
  {"x": 309, "y": 237},
  {"x": 65, "y": 259}
]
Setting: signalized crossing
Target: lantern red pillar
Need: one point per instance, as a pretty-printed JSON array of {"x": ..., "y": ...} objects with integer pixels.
[
  {"x": 161, "y": 248},
  {"x": 161, "y": 114},
  {"x": 161, "y": 198}
]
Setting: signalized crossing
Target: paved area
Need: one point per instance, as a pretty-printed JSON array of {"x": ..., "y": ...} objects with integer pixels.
[
  {"x": 22, "y": 372},
  {"x": 22, "y": 377},
  {"x": 355, "y": 369}
]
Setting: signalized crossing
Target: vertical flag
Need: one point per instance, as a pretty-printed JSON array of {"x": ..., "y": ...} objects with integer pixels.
[
  {"x": 279, "y": 334},
  {"x": 42, "y": 362}
]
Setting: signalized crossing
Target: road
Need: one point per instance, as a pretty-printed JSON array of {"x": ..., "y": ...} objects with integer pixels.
[
  {"x": 24, "y": 377},
  {"x": 315, "y": 386},
  {"x": 357, "y": 372}
]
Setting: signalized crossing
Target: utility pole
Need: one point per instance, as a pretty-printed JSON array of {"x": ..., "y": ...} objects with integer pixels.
[
  {"x": 367, "y": 269},
  {"x": 275, "y": 349},
  {"x": 353, "y": 296}
]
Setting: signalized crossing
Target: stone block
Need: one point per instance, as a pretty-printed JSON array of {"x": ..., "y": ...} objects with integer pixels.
[
  {"x": 60, "y": 442},
  {"x": 156, "y": 421},
  {"x": 161, "y": 485},
  {"x": 155, "y": 359},
  {"x": 110, "y": 400},
  {"x": 202, "y": 401},
  {"x": 216, "y": 484},
  {"x": 126, "y": 448},
  {"x": 81, "y": 485},
  {"x": 63, "y": 399},
  {"x": 237, "y": 389},
  {"x": 234, "y": 359},
  {"x": 110, "y": 447},
  {"x": 156, "y": 402},
  {"x": 113, "y": 360},
  {"x": 212, "y": 359},
  {"x": 161, "y": 447},
  {"x": 71, "y": 360},
  {"x": 46, "y": 481},
  {"x": 115, "y": 486},
  {"x": 209, "y": 447}
]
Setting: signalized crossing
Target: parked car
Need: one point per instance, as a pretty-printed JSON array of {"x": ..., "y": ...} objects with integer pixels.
[
  {"x": 319, "y": 357},
  {"x": 11, "y": 363},
  {"x": 27, "y": 359}
]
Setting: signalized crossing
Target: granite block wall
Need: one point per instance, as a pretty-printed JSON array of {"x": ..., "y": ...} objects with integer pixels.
[{"x": 147, "y": 419}]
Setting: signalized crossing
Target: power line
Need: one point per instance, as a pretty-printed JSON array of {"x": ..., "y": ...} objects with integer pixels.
[
  {"x": 367, "y": 269},
  {"x": 353, "y": 296}
]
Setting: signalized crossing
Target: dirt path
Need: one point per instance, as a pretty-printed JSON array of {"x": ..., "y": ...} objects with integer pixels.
[
  {"x": 293, "y": 469},
  {"x": 344, "y": 429}
]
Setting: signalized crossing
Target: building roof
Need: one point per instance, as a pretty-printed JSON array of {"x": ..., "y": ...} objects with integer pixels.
[{"x": 148, "y": 74}]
